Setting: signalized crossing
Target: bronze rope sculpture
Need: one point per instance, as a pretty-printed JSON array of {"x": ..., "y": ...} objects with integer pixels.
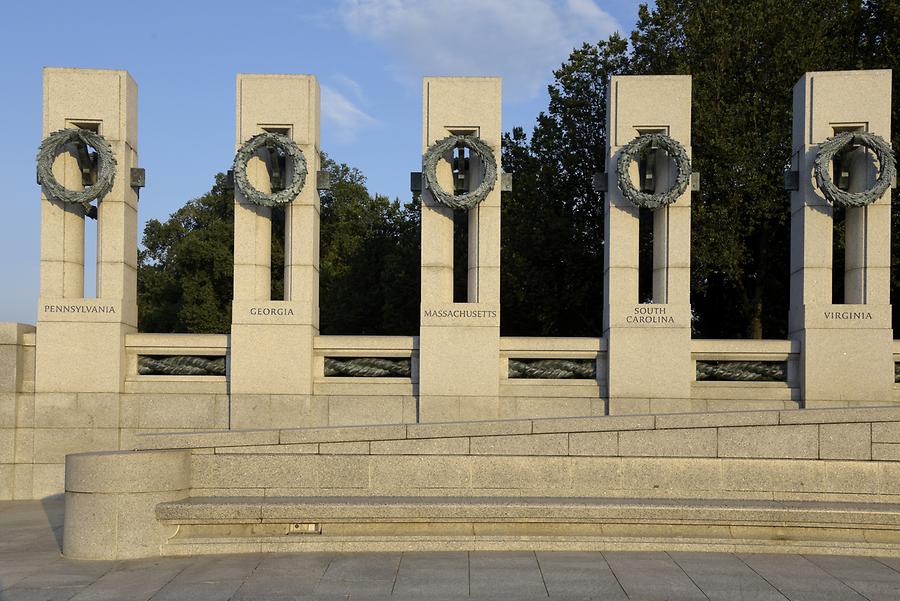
[{"x": 367, "y": 367}]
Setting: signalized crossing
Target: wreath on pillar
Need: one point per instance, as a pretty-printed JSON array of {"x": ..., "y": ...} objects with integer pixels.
[
  {"x": 469, "y": 199},
  {"x": 633, "y": 150},
  {"x": 291, "y": 151},
  {"x": 887, "y": 168},
  {"x": 55, "y": 144}
]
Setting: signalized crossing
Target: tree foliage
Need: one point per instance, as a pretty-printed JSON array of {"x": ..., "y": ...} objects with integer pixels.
[
  {"x": 744, "y": 58},
  {"x": 186, "y": 266},
  {"x": 369, "y": 259},
  {"x": 552, "y": 234}
]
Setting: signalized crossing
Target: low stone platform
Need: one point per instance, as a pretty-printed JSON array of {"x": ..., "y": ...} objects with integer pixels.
[{"x": 808, "y": 480}]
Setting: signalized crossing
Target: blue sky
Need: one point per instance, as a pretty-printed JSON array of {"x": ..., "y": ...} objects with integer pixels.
[{"x": 368, "y": 55}]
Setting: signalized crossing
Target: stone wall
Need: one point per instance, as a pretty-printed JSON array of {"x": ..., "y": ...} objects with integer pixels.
[
  {"x": 825, "y": 454},
  {"x": 37, "y": 430}
]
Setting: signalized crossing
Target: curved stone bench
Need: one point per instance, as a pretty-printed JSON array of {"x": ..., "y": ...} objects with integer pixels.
[{"x": 283, "y": 524}]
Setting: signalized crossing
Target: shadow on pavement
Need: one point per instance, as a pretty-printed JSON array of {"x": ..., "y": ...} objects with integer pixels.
[{"x": 54, "y": 507}]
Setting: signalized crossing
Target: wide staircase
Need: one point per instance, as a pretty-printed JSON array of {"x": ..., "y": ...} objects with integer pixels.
[{"x": 811, "y": 480}]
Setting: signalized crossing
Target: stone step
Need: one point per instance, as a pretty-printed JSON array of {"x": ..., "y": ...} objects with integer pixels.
[
  {"x": 868, "y": 434},
  {"x": 242, "y": 524},
  {"x": 227, "y": 510},
  {"x": 304, "y": 475},
  {"x": 308, "y": 437},
  {"x": 389, "y": 544}
]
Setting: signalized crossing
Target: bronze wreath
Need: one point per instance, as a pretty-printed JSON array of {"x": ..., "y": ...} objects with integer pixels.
[
  {"x": 473, "y": 197},
  {"x": 887, "y": 168},
  {"x": 298, "y": 171},
  {"x": 54, "y": 144},
  {"x": 632, "y": 150}
]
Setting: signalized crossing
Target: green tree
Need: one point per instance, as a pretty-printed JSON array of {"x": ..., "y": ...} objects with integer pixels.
[
  {"x": 369, "y": 259},
  {"x": 552, "y": 234},
  {"x": 185, "y": 268},
  {"x": 744, "y": 58}
]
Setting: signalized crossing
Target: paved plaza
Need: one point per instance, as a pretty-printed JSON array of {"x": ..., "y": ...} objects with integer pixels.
[{"x": 31, "y": 569}]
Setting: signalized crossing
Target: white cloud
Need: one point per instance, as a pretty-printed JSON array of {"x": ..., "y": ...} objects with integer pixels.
[
  {"x": 341, "y": 113},
  {"x": 521, "y": 40},
  {"x": 351, "y": 87}
]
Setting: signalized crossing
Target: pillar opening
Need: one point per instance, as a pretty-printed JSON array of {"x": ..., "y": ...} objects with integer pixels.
[
  {"x": 838, "y": 253},
  {"x": 460, "y": 170},
  {"x": 279, "y": 252},
  {"x": 465, "y": 168},
  {"x": 460, "y": 256},
  {"x": 645, "y": 255},
  {"x": 86, "y": 157},
  {"x": 654, "y": 167},
  {"x": 91, "y": 259},
  {"x": 81, "y": 173},
  {"x": 849, "y": 171},
  {"x": 279, "y": 174}
]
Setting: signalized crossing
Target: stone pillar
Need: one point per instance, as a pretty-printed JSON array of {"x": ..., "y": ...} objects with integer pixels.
[
  {"x": 459, "y": 350},
  {"x": 81, "y": 341},
  {"x": 649, "y": 367},
  {"x": 272, "y": 340},
  {"x": 846, "y": 349}
]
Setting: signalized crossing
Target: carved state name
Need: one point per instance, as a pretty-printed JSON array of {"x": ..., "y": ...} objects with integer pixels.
[
  {"x": 271, "y": 311},
  {"x": 460, "y": 313},
  {"x": 79, "y": 309},
  {"x": 848, "y": 315},
  {"x": 649, "y": 314}
]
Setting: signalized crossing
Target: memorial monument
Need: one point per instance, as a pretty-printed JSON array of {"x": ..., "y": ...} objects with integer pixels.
[
  {"x": 459, "y": 342},
  {"x": 649, "y": 120},
  {"x": 274, "y": 437},
  {"x": 841, "y": 119},
  {"x": 272, "y": 339}
]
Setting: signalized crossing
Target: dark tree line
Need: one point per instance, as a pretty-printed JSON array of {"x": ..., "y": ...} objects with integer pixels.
[{"x": 744, "y": 58}]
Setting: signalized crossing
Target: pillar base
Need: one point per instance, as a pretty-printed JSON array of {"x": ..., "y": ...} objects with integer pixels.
[
  {"x": 271, "y": 348},
  {"x": 649, "y": 357},
  {"x": 81, "y": 344},
  {"x": 846, "y": 353},
  {"x": 459, "y": 368}
]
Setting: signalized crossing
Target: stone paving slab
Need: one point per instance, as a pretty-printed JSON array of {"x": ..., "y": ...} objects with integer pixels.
[{"x": 31, "y": 569}]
